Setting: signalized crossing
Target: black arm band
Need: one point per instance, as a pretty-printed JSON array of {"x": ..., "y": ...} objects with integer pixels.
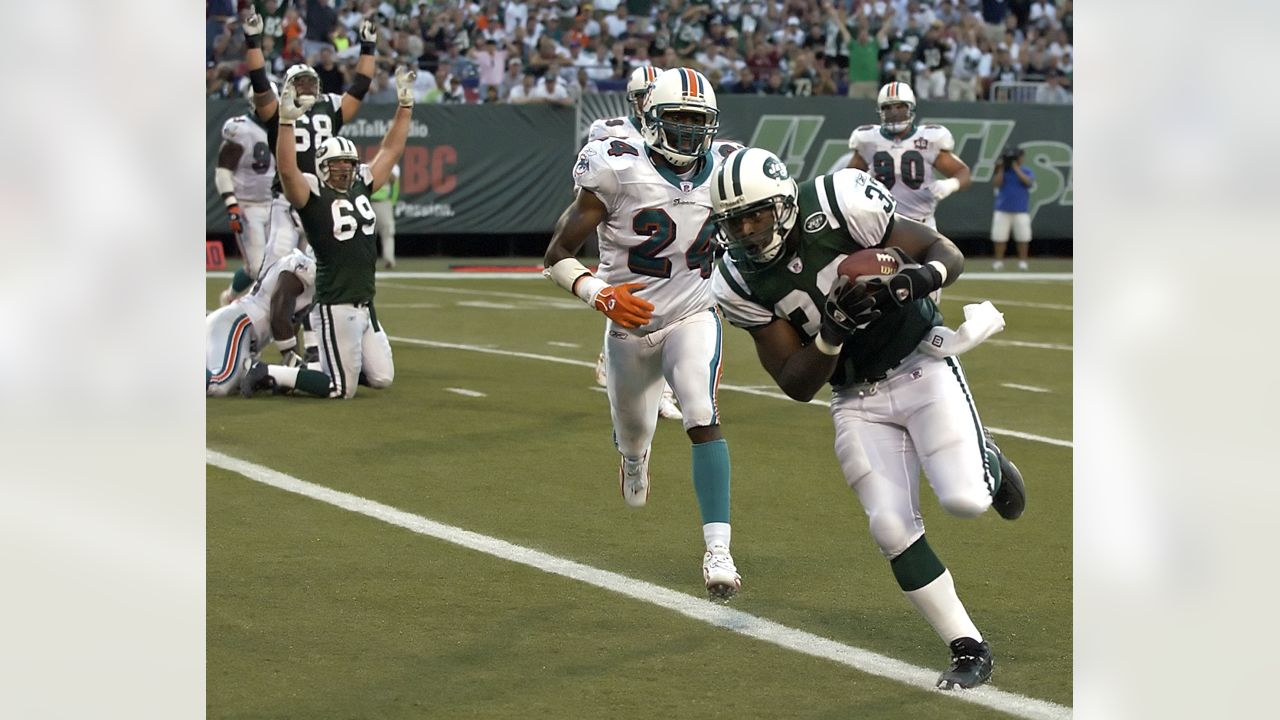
[
  {"x": 366, "y": 48},
  {"x": 258, "y": 78},
  {"x": 359, "y": 86},
  {"x": 253, "y": 41}
]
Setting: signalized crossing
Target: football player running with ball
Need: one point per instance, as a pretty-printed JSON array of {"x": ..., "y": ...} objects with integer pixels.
[
  {"x": 650, "y": 203},
  {"x": 339, "y": 220},
  {"x": 896, "y": 405}
]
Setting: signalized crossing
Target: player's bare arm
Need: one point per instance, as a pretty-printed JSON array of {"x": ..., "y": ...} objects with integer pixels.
[
  {"x": 288, "y": 288},
  {"x": 799, "y": 370},
  {"x": 354, "y": 95},
  {"x": 264, "y": 99},
  {"x": 291, "y": 178},
  {"x": 560, "y": 264},
  {"x": 925, "y": 246},
  {"x": 393, "y": 143},
  {"x": 949, "y": 164}
]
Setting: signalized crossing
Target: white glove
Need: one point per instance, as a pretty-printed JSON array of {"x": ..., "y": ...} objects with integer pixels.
[
  {"x": 981, "y": 321},
  {"x": 368, "y": 32},
  {"x": 291, "y": 106},
  {"x": 404, "y": 85},
  {"x": 253, "y": 25},
  {"x": 943, "y": 188}
]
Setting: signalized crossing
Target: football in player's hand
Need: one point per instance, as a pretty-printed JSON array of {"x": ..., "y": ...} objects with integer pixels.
[{"x": 869, "y": 264}]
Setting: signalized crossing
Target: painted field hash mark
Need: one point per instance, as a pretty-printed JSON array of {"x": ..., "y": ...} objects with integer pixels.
[
  {"x": 1028, "y": 388},
  {"x": 693, "y": 607},
  {"x": 466, "y": 392}
]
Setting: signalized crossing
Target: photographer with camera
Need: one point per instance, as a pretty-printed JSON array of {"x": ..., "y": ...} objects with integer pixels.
[{"x": 1013, "y": 204}]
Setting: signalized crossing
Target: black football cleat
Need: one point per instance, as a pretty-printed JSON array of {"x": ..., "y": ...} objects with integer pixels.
[
  {"x": 1011, "y": 498},
  {"x": 257, "y": 378},
  {"x": 971, "y": 665}
]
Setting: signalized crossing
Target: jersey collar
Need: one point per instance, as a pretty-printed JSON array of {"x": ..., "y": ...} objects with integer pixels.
[
  {"x": 704, "y": 172},
  {"x": 911, "y": 131}
]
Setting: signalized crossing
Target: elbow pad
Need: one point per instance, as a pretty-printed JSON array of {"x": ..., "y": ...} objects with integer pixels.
[{"x": 359, "y": 86}]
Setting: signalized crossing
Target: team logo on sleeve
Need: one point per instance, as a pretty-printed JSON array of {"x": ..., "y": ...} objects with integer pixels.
[
  {"x": 815, "y": 222},
  {"x": 922, "y": 144},
  {"x": 583, "y": 165}
]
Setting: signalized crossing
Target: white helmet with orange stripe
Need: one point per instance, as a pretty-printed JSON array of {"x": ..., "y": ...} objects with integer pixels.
[
  {"x": 680, "y": 118},
  {"x": 638, "y": 87},
  {"x": 897, "y": 105}
]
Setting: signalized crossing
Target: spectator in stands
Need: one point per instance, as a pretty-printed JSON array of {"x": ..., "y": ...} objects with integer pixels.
[
  {"x": 548, "y": 52},
  {"x": 441, "y": 86},
  {"x": 966, "y": 69},
  {"x": 746, "y": 83},
  {"x": 490, "y": 60},
  {"x": 1042, "y": 15},
  {"x": 993, "y": 16},
  {"x": 1036, "y": 68},
  {"x": 582, "y": 83},
  {"x": 516, "y": 15},
  {"x": 932, "y": 61},
  {"x": 550, "y": 89},
  {"x": 802, "y": 75},
  {"x": 864, "y": 56},
  {"x": 331, "y": 78},
  {"x": 1052, "y": 92},
  {"x": 383, "y": 89},
  {"x": 900, "y": 68},
  {"x": 321, "y": 19},
  {"x": 1012, "y": 210},
  {"x": 491, "y": 96},
  {"x": 523, "y": 93},
  {"x": 1005, "y": 69},
  {"x": 616, "y": 24}
]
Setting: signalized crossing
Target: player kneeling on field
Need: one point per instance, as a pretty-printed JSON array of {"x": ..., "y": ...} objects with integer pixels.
[
  {"x": 897, "y": 402},
  {"x": 339, "y": 220}
]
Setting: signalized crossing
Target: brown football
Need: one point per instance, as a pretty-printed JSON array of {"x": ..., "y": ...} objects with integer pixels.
[{"x": 868, "y": 264}]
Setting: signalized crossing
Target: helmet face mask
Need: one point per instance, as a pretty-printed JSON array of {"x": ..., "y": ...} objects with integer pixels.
[
  {"x": 336, "y": 161},
  {"x": 897, "y": 106},
  {"x": 753, "y": 201},
  {"x": 680, "y": 118},
  {"x": 303, "y": 79}
]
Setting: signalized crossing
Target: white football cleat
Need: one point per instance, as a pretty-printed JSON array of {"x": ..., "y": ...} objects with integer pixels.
[
  {"x": 227, "y": 297},
  {"x": 667, "y": 405},
  {"x": 600, "y": 372},
  {"x": 997, "y": 265},
  {"x": 722, "y": 578},
  {"x": 633, "y": 479},
  {"x": 1022, "y": 265}
]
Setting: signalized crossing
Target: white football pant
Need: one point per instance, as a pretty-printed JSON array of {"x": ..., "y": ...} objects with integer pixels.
[
  {"x": 352, "y": 341},
  {"x": 228, "y": 346}
]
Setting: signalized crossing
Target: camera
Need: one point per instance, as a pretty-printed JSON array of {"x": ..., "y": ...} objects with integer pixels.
[{"x": 1011, "y": 155}]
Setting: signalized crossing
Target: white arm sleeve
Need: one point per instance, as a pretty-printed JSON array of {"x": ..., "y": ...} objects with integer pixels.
[
  {"x": 863, "y": 205},
  {"x": 732, "y": 295},
  {"x": 592, "y": 172}
]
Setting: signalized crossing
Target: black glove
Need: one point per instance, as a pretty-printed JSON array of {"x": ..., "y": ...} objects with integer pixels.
[
  {"x": 904, "y": 286},
  {"x": 848, "y": 307}
]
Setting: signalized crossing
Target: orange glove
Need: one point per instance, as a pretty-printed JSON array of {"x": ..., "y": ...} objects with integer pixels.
[{"x": 617, "y": 302}]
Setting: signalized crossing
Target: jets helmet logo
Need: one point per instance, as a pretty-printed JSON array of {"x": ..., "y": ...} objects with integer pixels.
[{"x": 775, "y": 169}]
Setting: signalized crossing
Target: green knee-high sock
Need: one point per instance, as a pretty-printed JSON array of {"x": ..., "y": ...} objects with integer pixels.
[
  {"x": 711, "y": 480},
  {"x": 240, "y": 281}
]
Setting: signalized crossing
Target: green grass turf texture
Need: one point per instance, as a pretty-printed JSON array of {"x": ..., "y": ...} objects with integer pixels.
[{"x": 314, "y": 611}]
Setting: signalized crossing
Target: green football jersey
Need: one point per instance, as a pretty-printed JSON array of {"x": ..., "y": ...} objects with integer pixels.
[
  {"x": 318, "y": 124},
  {"x": 341, "y": 229},
  {"x": 839, "y": 214}
]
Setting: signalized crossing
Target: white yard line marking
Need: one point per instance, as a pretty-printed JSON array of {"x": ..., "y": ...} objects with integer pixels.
[
  {"x": 1024, "y": 344},
  {"x": 408, "y": 275},
  {"x": 468, "y": 393},
  {"x": 486, "y": 305},
  {"x": 747, "y": 389},
  {"x": 1011, "y": 303},
  {"x": 692, "y": 607},
  {"x": 563, "y": 344},
  {"x": 408, "y": 306},
  {"x": 1028, "y": 388}
]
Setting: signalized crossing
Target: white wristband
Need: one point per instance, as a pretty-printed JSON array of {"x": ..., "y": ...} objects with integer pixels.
[
  {"x": 284, "y": 345},
  {"x": 825, "y": 347},
  {"x": 942, "y": 270},
  {"x": 576, "y": 278},
  {"x": 952, "y": 183}
]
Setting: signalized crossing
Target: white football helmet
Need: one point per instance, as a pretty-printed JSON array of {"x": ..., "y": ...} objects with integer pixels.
[
  {"x": 638, "y": 87},
  {"x": 336, "y": 148},
  {"x": 896, "y": 93},
  {"x": 304, "y": 80},
  {"x": 753, "y": 202},
  {"x": 680, "y": 90}
]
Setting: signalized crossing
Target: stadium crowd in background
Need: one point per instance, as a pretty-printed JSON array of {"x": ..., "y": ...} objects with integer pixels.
[{"x": 555, "y": 50}]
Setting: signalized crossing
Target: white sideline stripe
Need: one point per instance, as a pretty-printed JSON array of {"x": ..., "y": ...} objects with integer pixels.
[
  {"x": 468, "y": 393},
  {"x": 1010, "y": 303},
  {"x": 1023, "y": 343},
  {"x": 409, "y": 306},
  {"x": 407, "y": 275},
  {"x": 563, "y": 344},
  {"x": 692, "y": 607},
  {"x": 747, "y": 389},
  {"x": 1028, "y": 388}
]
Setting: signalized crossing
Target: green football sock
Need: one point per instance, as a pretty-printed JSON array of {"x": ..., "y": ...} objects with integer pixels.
[
  {"x": 240, "y": 281},
  {"x": 917, "y": 566},
  {"x": 711, "y": 480},
  {"x": 313, "y": 382}
]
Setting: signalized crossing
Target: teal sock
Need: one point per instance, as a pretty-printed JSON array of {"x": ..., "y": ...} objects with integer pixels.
[
  {"x": 313, "y": 382},
  {"x": 240, "y": 281},
  {"x": 711, "y": 480},
  {"x": 917, "y": 566}
]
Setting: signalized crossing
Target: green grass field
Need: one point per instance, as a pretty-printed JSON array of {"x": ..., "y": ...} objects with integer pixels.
[{"x": 319, "y": 612}]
